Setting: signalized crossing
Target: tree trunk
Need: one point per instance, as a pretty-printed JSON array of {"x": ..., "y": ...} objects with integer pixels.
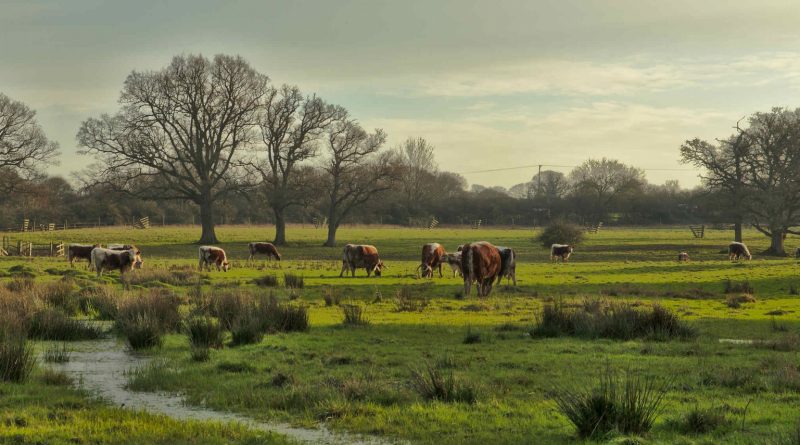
[
  {"x": 332, "y": 227},
  {"x": 280, "y": 228},
  {"x": 776, "y": 244},
  {"x": 207, "y": 221},
  {"x": 737, "y": 231}
]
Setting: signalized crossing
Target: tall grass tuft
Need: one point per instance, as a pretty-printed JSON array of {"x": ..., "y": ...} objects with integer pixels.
[
  {"x": 57, "y": 354},
  {"x": 354, "y": 315},
  {"x": 738, "y": 287},
  {"x": 246, "y": 330},
  {"x": 101, "y": 301},
  {"x": 204, "y": 332},
  {"x": 52, "y": 324},
  {"x": 331, "y": 296},
  {"x": 17, "y": 359},
  {"x": 703, "y": 420},
  {"x": 628, "y": 405},
  {"x": 432, "y": 383},
  {"x": 406, "y": 302},
  {"x": 621, "y": 321},
  {"x": 141, "y": 330},
  {"x": 161, "y": 307},
  {"x": 293, "y": 281},
  {"x": 266, "y": 281}
]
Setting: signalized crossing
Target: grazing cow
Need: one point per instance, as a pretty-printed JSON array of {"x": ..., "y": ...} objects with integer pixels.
[
  {"x": 212, "y": 255},
  {"x": 738, "y": 250},
  {"x": 107, "y": 259},
  {"x": 361, "y": 255},
  {"x": 432, "y": 257},
  {"x": 267, "y": 249},
  {"x": 454, "y": 260},
  {"x": 562, "y": 251},
  {"x": 508, "y": 265},
  {"x": 80, "y": 252},
  {"x": 120, "y": 247},
  {"x": 683, "y": 257},
  {"x": 481, "y": 263}
]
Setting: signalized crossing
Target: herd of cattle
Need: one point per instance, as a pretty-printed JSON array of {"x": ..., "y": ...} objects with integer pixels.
[{"x": 480, "y": 263}]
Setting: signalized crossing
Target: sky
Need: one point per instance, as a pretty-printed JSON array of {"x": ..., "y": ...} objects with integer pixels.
[{"x": 498, "y": 84}]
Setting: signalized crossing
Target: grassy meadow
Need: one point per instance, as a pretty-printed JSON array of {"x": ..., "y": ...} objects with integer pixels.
[{"x": 501, "y": 378}]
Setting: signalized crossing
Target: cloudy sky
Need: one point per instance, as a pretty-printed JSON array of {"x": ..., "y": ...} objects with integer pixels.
[{"x": 492, "y": 84}]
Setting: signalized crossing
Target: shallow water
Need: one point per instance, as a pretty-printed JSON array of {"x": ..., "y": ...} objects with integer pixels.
[
  {"x": 100, "y": 367},
  {"x": 737, "y": 341}
]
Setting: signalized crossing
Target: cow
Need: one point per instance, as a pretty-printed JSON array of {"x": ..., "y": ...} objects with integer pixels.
[
  {"x": 683, "y": 257},
  {"x": 361, "y": 255},
  {"x": 454, "y": 260},
  {"x": 209, "y": 255},
  {"x": 120, "y": 247},
  {"x": 738, "y": 250},
  {"x": 267, "y": 249},
  {"x": 107, "y": 259},
  {"x": 508, "y": 265},
  {"x": 432, "y": 257},
  {"x": 480, "y": 263},
  {"x": 80, "y": 252},
  {"x": 562, "y": 251}
]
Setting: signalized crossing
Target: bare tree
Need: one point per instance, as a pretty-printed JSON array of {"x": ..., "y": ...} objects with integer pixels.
[
  {"x": 601, "y": 182},
  {"x": 186, "y": 126},
  {"x": 290, "y": 129},
  {"x": 355, "y": 171},
  {"x": 23, "y": 144},
  {"x": 725, "y": 171},
  {"x": 419, "y": 166}
]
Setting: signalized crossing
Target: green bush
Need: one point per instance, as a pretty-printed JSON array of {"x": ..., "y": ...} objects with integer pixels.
[
  {"x": 141, "y": 331},
  {"x": 560, "y": 232},
  {"x": 204, "y": 332}
]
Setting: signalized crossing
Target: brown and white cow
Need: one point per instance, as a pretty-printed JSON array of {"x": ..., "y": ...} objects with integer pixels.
[
  {"x": 454, "y": 260},
  {"x": 80, "y": 252},
  {"x": 267, "y": 249},
  {"x": 433, "y": 255},
  {"x": 737, "y": 250},
  {"x": 562, "y": 251},
  {"x": 209, "y": 255},
  {"x": 508, "y": 265},
  {"x": 481, "y": 263},
  {"x": 683, "y": 257},
  {"x": 120, "y": 247},
  {"x": 107, "y": 259},
  {"x": 361, "y": 255}
]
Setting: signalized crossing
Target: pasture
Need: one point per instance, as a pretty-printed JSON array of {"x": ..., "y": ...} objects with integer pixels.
[{"x": 364, "y": 377}]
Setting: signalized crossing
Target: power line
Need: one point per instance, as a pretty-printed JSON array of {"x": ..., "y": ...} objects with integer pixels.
[{"x": 566, "y": 166}]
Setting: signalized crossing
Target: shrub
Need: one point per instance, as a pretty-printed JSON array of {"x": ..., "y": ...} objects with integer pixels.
[
  {"x": 354, "y": 315},
  {"x": 17, "y": 359},
  {"x": 293, "y": 281},
  {"x": 432, "y": 383},
  {"x": 702, "y": 421},
  {"x": 204, "y": 332},
  {"x": 609, "y": 320},
  {"x": 791, "y": 437},
  {"x": 266, "y": 281},
  {"x": 246, "y": 330},
  {"x": 57, "y": 354},
  {"x": 560, "y": 232},
  {"x": 141, "y": 330},
  {"x": 627, "y": 405},
  {"x": 736, "y": 301},
  {"x": 283, "y": 317},
  {"x": 734, "y": 287},
  {"x": 160, "y": 305},
  {"x": 229, "y": 307},
  {"x": 52, "y": 324}
]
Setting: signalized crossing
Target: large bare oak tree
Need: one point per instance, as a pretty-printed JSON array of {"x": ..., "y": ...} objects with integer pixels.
[
  {"x": 23, "y": 143},
  {"x": 182, "y": 130}
]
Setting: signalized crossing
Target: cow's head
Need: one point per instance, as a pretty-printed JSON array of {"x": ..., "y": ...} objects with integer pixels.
[
  {"x": 378, "y": 268},
  {"x": 225, "y": 265},
  {"x": 138, "y": 262},
  {"x": 427, "y": 270}
]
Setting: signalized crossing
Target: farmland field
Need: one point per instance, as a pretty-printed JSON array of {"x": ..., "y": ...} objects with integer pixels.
[{"x": 360, "y": 378}]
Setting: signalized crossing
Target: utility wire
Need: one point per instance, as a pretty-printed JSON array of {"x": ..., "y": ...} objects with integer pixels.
[{"x": 567, "y": 166}]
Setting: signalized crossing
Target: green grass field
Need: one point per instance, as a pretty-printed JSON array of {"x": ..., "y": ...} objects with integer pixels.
[{"x": 357, "y": 378}]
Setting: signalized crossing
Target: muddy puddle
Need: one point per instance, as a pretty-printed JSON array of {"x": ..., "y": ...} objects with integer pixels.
[{"x": 100, "y": 367}]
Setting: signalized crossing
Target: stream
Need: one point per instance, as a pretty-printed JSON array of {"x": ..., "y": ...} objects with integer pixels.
[{"x": 100, "y": 367}]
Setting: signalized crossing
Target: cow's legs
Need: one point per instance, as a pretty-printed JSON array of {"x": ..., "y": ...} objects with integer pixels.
[{"x": 344, "y": 267}]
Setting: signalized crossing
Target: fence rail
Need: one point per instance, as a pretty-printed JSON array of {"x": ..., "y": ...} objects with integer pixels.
[{"x": 11, "y": 247}]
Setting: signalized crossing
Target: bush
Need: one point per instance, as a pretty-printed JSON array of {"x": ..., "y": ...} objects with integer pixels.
[
  {"x": 621, "y": 321},
  {"x": 61, "y": 294},
  {"x": 52, "y": 324},
  {"x": 21, "y": 284},
  {"x": 160, "y": 277},
  {"x": 141, "y": 331},
  {"x": 791, "y": 437},
  {"x": 432, "y": 383},
  {"x": 266, "y": 281},
  {"x": 293, "y": 281},
  {"x": 354, "y": 315},
  {"x": 560, "y": 232},
  {"x": 283, "y": 317},
  {"x": 246, "y": 330},
  {"x": 229, "y": 307},
  {"x": 161, "y": 306},
  {"x": 200, "y": 354},
  {"x": 626, "y": 405},
  {"x": 17, "y": 359},
  {"x": 204, "y": 332}
]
